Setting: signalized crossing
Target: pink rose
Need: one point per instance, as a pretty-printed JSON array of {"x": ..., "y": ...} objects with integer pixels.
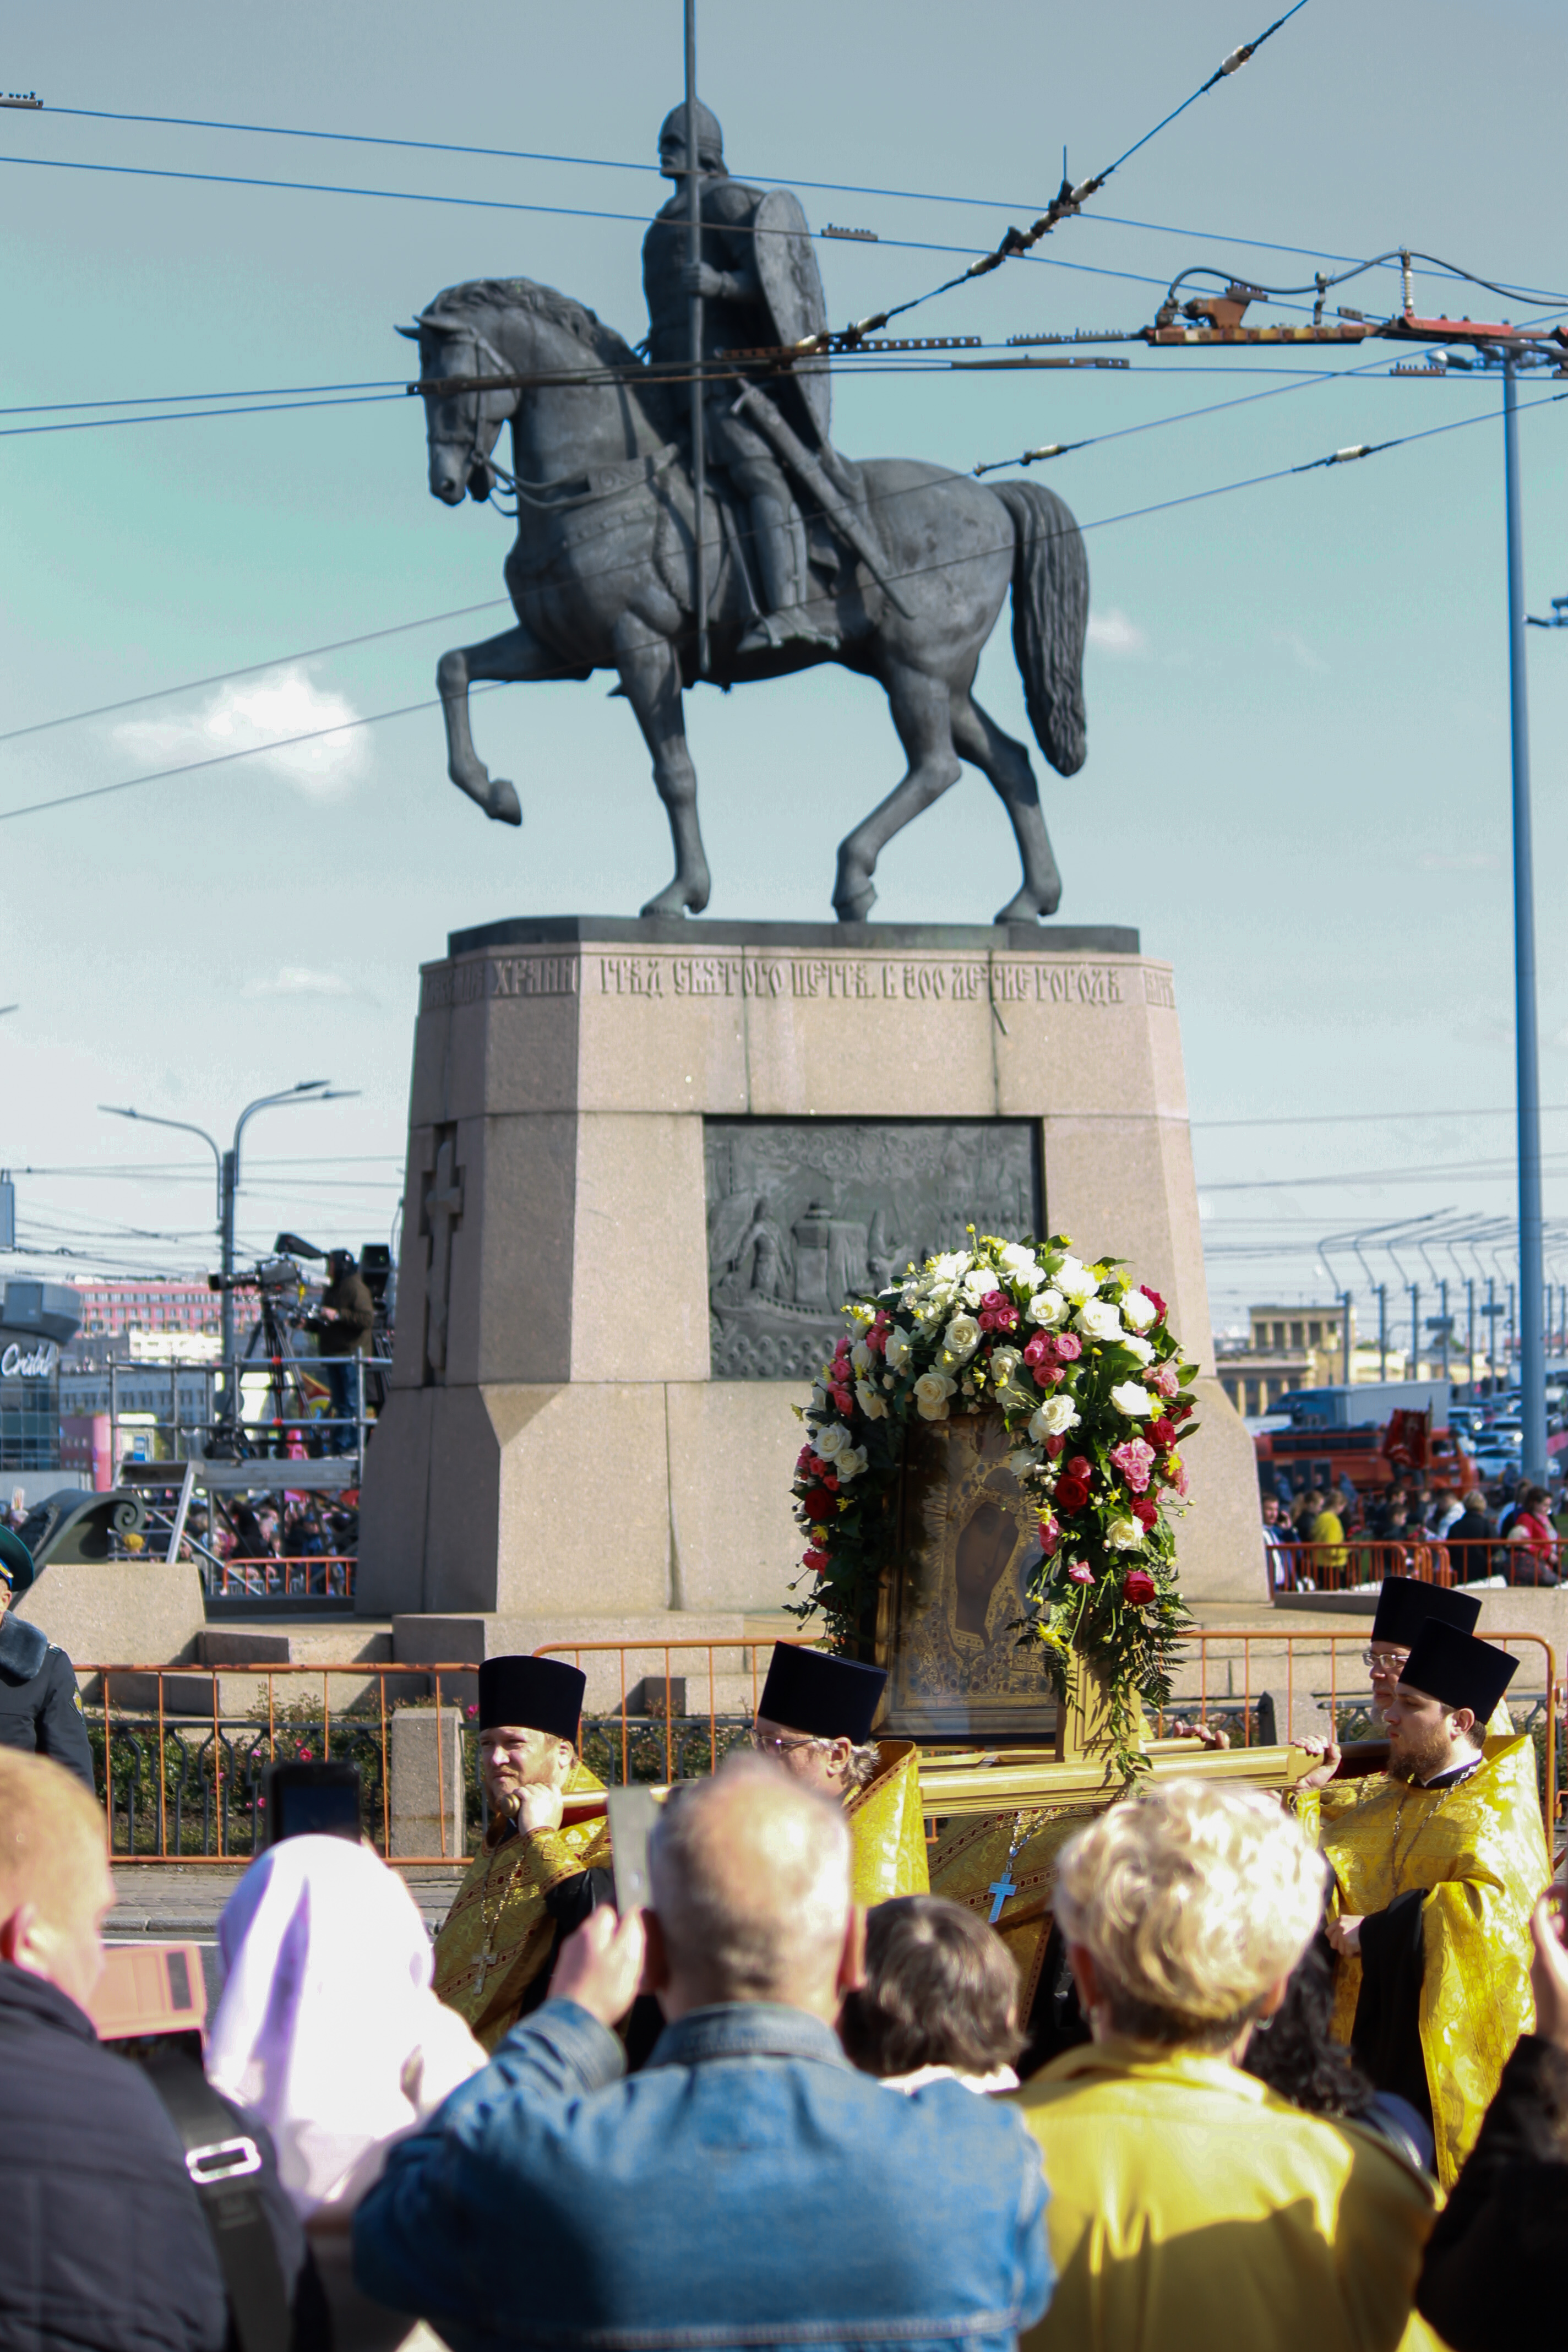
[
  {"x": 1081, "y": 1574},
  {"x": 1163, "y": 1378},
  {"x": 1041, "y": 1350},
  {"x": 1070, "y": 1347},
  {"x": 1135, "y": 1460}
]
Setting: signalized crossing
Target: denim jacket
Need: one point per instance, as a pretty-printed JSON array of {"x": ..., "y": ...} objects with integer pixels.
[{"x": 748, "y": 2188}]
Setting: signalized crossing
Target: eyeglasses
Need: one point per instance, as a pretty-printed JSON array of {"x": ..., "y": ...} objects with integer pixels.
[
  {"x": 1390, "y": 1666},
  {"x": 769, "y": 1743}
]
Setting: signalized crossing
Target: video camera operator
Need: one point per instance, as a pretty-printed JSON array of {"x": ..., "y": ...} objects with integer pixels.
[{"x": 342, "y": 1324}]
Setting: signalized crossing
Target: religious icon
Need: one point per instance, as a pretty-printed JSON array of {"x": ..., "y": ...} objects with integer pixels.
[{"x": 951, "y": 1615}]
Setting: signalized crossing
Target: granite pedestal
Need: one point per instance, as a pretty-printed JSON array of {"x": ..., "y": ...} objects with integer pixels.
[{"x": 646, "y": 1163}]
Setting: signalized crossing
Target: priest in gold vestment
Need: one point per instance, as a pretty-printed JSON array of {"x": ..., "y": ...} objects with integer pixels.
[
  {"x": 530, "y": 1883},
  {"x": 1436, "y": 1868},
  {"x": 814, "y": 1717}
]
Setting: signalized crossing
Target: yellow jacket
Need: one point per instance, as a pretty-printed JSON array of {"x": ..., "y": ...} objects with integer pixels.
[{"x": 1192, "y": 2208}]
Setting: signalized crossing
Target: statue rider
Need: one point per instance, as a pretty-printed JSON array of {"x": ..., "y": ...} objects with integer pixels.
[{"x": 760, "y": 286}]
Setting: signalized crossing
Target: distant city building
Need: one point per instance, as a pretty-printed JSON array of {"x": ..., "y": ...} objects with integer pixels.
[{"x": 147, "y": 1306}]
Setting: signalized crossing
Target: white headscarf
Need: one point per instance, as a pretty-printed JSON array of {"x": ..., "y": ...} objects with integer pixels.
[{"x": 327, "y": 2027}]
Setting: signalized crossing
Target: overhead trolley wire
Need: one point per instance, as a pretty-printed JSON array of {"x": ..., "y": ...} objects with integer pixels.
[{"x": 1101, "y": 522}]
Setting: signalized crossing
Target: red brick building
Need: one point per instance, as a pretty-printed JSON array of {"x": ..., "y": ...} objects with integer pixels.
[{"x": 147, "y": 1306}]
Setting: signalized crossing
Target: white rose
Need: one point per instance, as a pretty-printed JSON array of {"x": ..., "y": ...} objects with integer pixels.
[
  {"x": 934, "y": 1307},
  {"x": 1127, "y": 1397},
  {"x": 1054, "y": 1418},
  {"x": 962, "y": 1337},
  {"x": 831, "y": 1441},
  {"x": 870, "y": 1400},
  {"x": 1075, "y": 1281},
  {"x": 898, "y": 1349},
  {"x": 979, "y": 1285},
  {"x": 849, "y": 1463},
  {"x": 1098, "y": 1319},
  {"x": 862, "y": 1359},
  {"x": 1004, "y": 1363},
  {"x": 1124, "y": 1535},
  {"x": 932, "y": 1393},
  {"x": 818, "y": 1397},
  {"x": 1143, "y": 1349},
  {"x": 1022, "y": 1461},
  {"x": 1138, "y": 1310},
  {"x": 1048, "y": 1309},
  {"x": 949, "y": 1268},
  {"x": 1021, "y": 1265}
]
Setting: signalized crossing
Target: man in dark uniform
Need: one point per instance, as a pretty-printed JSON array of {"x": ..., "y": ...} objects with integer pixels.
[
  {"x": 736, "y": 315},
  {"x": 40, "y": 1706},
  {"x": 343, "y": 1323}
]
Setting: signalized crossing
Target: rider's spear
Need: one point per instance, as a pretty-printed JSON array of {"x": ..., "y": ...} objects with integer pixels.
[{"x": 694, "y": 255}]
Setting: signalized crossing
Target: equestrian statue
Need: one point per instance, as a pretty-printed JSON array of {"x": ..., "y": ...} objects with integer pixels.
[{"x": 891, "y": 568}]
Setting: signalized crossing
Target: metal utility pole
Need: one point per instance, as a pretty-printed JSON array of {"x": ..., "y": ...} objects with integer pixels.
[
  {"x": 1382, "y": 1330},
  {"x": 1345, "y": 1311},
  {"x": 1531, "y": 1271},
  {"x": 314, "y": 1090},
  {"x": 1491, "y": 1332},
  {"x": 1470, "y": 1342},
  {"x": 1443, "y": 1322},
  {"x": 698, "y": 434},
  {"x": 1511, "y": 1358},
  {"x": 1414, "y": 1372}
]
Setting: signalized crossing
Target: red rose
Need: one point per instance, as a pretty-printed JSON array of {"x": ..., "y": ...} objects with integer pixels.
[
  {"x": 1054, "y": 1446},
  {"x": 803, "y": 1460},
  {"x": 1071, "y": 1492},
  {"x": 1070, "y": 1347},
  {"x": 843, "y": 1400},
  {"x": 820, "y": 1505},
  {"x": 1137, "y": 1587},
  {"x": 1161, "y": 1433},
  {"x": 1145, "y": 1511},
  {"x": 816, "y": 1558},
  {"x": 1081, "y": 1467},
  {"x": 1181, "y": 1408},
  {"x": 1149, "y": 1292}
]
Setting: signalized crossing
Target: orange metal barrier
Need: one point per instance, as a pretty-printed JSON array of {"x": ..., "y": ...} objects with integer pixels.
[
  {"x": 1360, "y": 1561},
  {"x": 283, "y": 1576},
  {"x": 217, "y": 1757}
]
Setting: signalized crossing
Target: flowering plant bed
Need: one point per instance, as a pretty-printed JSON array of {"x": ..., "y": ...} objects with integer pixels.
[{"x": 1080, "y": 1362}]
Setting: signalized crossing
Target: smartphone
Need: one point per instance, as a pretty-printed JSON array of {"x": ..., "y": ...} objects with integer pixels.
[
  {"x": 633, "y": 1812},
  {"x": 149, "y": 1992},
  {"x": 310, "y": 1800}
]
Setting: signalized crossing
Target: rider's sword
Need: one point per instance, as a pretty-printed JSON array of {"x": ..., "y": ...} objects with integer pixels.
[{"x": 838, "y": 516}]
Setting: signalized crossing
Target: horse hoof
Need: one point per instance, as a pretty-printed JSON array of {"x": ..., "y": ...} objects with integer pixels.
[
  {"x": 854, "y": 906},
  {"x": 668, "y": 903},
  {"x": 501, "y": 802},
  {"x": 1028, "y": 907}
]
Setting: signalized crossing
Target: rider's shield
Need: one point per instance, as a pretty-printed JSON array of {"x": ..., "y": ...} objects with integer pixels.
[{"x": 792, "y": 288}]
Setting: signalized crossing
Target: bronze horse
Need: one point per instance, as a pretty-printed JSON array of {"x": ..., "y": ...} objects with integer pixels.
[{"x": 600, "y": 575}]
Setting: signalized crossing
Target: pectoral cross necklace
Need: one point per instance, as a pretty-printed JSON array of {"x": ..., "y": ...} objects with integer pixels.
[{"x": 1005, "y": 1888}]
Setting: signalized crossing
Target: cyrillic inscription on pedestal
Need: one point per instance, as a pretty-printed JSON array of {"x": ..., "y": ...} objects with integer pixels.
[{"x": 805, "y": 1215}]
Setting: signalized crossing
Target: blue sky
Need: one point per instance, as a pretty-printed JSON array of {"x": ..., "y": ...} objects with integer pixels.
[{"x": 1296, "y": 784}]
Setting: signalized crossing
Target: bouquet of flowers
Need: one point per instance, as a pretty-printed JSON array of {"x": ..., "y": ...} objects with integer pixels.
[{"x": 1081, "y": 1364}]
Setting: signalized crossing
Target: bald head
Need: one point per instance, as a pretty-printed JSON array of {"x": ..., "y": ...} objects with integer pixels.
[
  {"x": 54, "y": 1882},
  {"x": 751, "y": 1891}
]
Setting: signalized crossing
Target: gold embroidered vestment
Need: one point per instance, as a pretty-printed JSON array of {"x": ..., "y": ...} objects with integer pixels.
[
  {"x": 498, "y": 1934},
  {"x": 887, "y": 1828},
  {"x": 1479, "y": 1850}
]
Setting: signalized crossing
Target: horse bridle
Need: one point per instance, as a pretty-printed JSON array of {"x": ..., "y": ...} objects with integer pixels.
[{"x": 465, "y": 331}]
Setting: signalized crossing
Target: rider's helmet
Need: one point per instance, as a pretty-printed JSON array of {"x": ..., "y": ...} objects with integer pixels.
[{"x": 672, "y": 141}]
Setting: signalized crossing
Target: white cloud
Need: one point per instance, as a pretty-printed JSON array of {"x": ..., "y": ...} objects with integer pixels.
[
  {"x": 254, "y": 711},
  {"x": 1113, "y": 632},
  {"x": 1304, "y": 655},
  {"x": 298, "y": 980}
]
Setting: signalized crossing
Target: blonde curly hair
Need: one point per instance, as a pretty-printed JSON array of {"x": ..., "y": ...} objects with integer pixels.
[{"x": 1192, "y": 1901}]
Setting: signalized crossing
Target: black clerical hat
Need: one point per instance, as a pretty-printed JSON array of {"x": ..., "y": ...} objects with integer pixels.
[
  {"x": 1406, "y": 1603},
  {"x": 831, "y": 1699},
  {"x": 1458, "y": 1669},
  {"x": 541, "y": 1694}
]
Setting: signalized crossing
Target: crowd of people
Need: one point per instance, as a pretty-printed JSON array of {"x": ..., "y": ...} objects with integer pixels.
[
  {"x": 1510, "y": 1528},
  {"x": 1273, "y": 2072}
]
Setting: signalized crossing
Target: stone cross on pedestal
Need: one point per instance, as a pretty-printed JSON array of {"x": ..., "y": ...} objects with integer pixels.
[{"x": 442, "y": 1207}]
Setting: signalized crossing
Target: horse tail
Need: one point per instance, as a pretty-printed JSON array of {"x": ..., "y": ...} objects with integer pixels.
[{"x": 1050, "y": 614}]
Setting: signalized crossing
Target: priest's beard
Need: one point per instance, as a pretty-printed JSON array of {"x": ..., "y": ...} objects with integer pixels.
[{"x": 1418, "y": 1756}]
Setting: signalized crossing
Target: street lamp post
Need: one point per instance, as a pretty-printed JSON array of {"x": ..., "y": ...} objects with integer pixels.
[
  {"x": 1531, "y": 1271},
  {"x": 314, "y": 1090}
]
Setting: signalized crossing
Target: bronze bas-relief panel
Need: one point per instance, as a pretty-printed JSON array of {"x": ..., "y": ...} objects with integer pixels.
[
  {"x": 948, "y": 1620},
  {"x": 805, "y": 1213}
]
